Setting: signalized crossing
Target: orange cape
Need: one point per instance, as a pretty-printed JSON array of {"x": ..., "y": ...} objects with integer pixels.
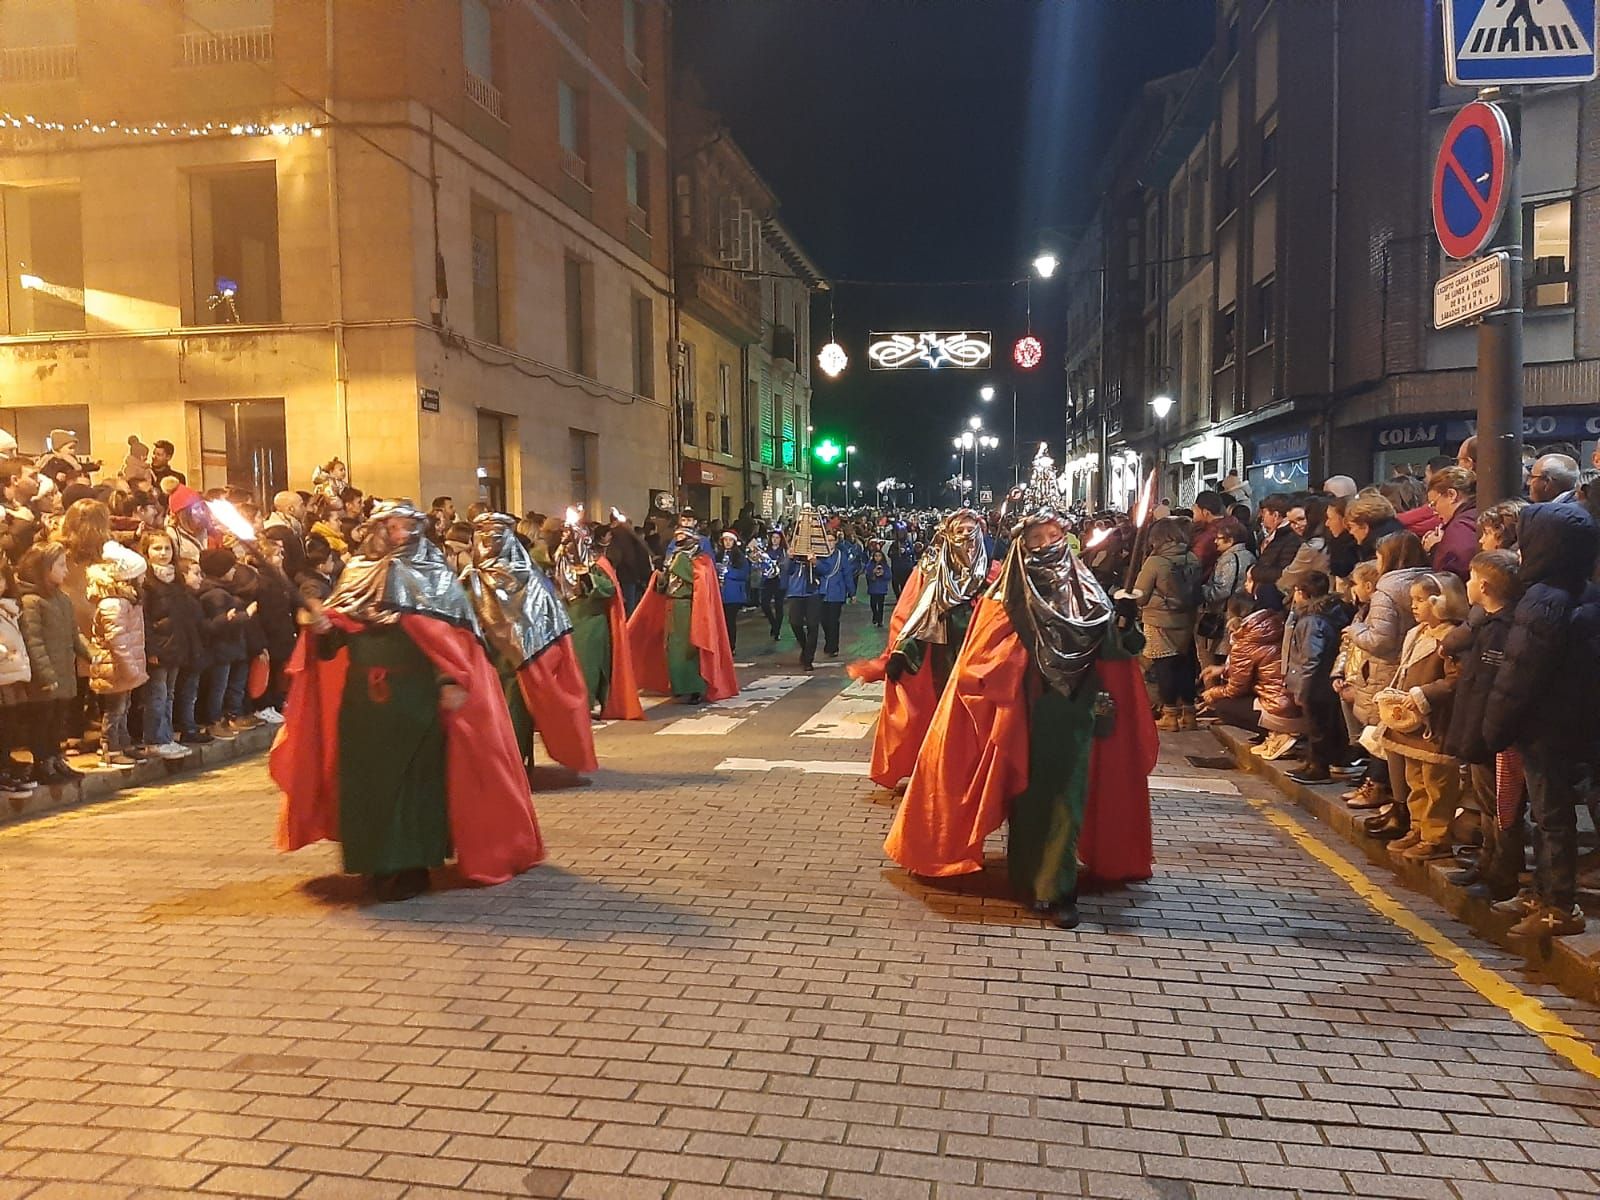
[
  {"x": 492, "y": 823},
  {"x": 622, "y": 699},
  {"x": 557, "y": 697},
  {"x": 647, "y": 635},
  {"x": 908, "y": 702},
  {"x": 975, "y": 760}
]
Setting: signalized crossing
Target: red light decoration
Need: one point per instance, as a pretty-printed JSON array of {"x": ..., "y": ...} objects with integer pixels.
[{"x": 1028, "y": 353}]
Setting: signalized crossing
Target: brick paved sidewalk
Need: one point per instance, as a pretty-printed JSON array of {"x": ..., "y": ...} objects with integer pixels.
[{"x": 718, "y": 986}]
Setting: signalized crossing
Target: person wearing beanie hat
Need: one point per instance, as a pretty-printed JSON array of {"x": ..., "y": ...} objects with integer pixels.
[
  {"x": 186, "y": 519},
  {"x": 135, "y": 470}
]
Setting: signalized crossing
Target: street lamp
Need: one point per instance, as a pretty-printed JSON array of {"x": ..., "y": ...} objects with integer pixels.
[
  {"x": 986, "y": 392},
  {"x": 848, "y": 451},
  {"x": 974, "y": 422},
  {"x": 1161, "y": 405},
  {"x": 1046, "y": 264}
]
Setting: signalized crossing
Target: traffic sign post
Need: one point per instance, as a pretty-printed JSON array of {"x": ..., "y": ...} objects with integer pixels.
[
  {"x": 1503, "y": 43},
  {"x": 1499, "y": 375}
]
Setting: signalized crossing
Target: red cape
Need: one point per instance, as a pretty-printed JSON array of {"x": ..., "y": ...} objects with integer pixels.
[
  {"x": 554, "y": 690},
  {"x": 492, "y": 823},
  {"x": 975, "y": 760},
  {"x": 622, "y": 698},
  {"x": 647, "y": 635},
  {"x": 908, "y": 702}
]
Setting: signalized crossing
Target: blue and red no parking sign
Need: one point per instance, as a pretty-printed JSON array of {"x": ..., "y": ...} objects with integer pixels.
[{"x": 1471, "y": 179}]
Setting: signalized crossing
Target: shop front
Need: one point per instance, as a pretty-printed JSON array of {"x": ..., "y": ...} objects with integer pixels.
[
  {"x": 1280, "y": 463},
  {"x": 1404, "y": 447}
]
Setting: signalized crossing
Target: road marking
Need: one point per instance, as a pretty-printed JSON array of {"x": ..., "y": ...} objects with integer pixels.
[
  {"x": 1192, "y": 783},
  {"x": 1527, "y": 1011},
  {"x": 848, "y": 716},
  {"x": 786, "y": 764},
  {"x": 714, "y": 720}
]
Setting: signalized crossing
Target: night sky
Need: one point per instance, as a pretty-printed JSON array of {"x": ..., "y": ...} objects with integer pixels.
[{"x": 925, "y": 141}]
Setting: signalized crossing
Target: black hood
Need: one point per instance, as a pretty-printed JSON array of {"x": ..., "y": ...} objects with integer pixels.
[{"x": 1559, "y": 543}]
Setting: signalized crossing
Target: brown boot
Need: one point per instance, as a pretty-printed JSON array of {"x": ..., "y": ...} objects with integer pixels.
[
  {"x": 1171, "y": 719},
  {"x": 1186, "y": 718}
]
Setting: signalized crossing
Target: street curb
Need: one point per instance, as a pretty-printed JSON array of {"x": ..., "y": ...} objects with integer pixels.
[
  {"x": 1572, "y": 964},
  {"x": 96, "y": 786}
]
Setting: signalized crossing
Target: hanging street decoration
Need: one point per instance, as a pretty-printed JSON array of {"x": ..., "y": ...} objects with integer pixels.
[
  {"x": 964, "y": 349},
  {"x": 833, "y": 360},
  {"x": 1028, "y": 353},
  {"x": 29, "y": 123}
]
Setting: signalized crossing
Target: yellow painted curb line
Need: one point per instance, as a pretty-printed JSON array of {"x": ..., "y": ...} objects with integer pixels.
[{"x": 1527, "y": 1011}]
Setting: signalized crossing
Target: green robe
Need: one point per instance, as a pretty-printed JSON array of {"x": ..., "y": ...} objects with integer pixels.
[
  {"x": 521, "y": 718},
  {"x": 683, "y": 659},
  {"x": 393, "y": 813},
  {"x": 1047, "y": 818},
  {"x": 591, "y": 635}
]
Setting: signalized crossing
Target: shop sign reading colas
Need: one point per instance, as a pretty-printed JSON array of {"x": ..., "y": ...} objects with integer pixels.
[{"x": 964, "y": 349}]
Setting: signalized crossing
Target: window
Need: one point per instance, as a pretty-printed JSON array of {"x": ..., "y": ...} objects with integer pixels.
[
  {"x": 1547, "y": 250},
  {"x": 1227, "y": 336},
  {"x": 644, "y": 346},
  {"x": 1230, "y": 38},
  {"x": 639, "y": 187},
  {"x": 234, "y": 226},
  {"x": 724, "y": 410},
  {"x": 632, "y": 46},
  {"x": 492, "y": 460},
  {"x": 1269, "y": 144},
  {"x": 243, "y": 443},
  {"x": 44, "y": 259},
  {"x": 1133, "y": 249},
  {"x": 572, "y": 112},
  {"x": 582, "y": 449},
  {"x": 1152, "y": 245},
  {"x": 577, "y": 292},
  {"x": 1198, "y": 185},
  {"x": 477, "y": 44},
  {"x": 1263, "y": 318},
  {"x": 486, "y": 307},
  {"x": 691, "y": 390},
  {"x": 1228, "y": 202}
]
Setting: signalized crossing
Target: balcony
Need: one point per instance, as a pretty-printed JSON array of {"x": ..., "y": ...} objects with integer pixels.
[
  {"x": 725, "y": 299},
  {"x": 38, "y": 64},
  {"x": 638, "y": 218},
  {"x": 573, "y": 165},
  {"x": 248, "y": 45},
  {"x": 486, "y": 96},
  {"x": 783, "y": 343}
]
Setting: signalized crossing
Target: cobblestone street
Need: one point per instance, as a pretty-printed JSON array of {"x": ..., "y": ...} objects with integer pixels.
[{"x": 718, "y": 986}]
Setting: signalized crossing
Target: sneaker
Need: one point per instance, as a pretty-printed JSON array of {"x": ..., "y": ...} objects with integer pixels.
[
  {"x": 171, "y": 750},
  {"x": 15, "y": 779},
  {"x": 1544, "y": 921},
  {"x": 62, "y": 771},
  {"x": 115, "y": 762},
  {"x": 1368, "y": 795},
  {"x": 1285, "y": 743},
  {"x": 270, "y": 715},
  {"x": 1519, "y": 905},
  {"x": 222, "y": 732},
  {"x": 241, "y": 723}
]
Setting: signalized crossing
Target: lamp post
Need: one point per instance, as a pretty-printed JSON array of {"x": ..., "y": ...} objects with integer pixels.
[
  {"x": 848, "y": 451},
  {"x": 1161, "y": 405}
]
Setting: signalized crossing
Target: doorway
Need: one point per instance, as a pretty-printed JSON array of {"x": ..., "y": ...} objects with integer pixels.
[{"x": 244, "y": 444}]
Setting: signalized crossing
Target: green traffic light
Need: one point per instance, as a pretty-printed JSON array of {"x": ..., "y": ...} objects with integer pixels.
[{"x": 827, "y": 450}]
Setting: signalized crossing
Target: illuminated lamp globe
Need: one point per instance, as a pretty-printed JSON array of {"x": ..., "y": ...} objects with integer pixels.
[
  {"x": 833, "y": 360},
  {"x": 1162, "y": 405},
  {"x": 1028, "y": 353}
]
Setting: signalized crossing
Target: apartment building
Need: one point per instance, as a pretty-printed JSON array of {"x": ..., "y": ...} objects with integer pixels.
[{"x": 430, "y": 239}]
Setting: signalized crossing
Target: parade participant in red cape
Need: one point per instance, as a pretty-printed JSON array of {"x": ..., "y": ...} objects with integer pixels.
[
  {"x": 678, "y": 635},
  {"x": 588, "y": 585},
  {"x": 530, "y": 642},
  {"x": 1045, "y": 724},
  {"x": 925, "y": 634},
  {"x": 397, "y": 743}
]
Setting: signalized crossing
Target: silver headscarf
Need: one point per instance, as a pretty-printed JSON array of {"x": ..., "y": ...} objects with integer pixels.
[
  {"x": 574, "y": 559},
  {"x": 955, "y": 570},
  {"x": 1056, "y": 604},
  {"x": 397, "y": 571},
  {"x": 514, "y": 600}
]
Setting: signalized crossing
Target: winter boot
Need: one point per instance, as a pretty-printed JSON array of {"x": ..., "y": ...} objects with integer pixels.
[
  {"x": 1171, "y": 719},
  {"x": 1186, "y": 718}
]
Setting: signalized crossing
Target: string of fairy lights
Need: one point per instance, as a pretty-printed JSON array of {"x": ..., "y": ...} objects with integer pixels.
[{"x": 29, "y": 123}]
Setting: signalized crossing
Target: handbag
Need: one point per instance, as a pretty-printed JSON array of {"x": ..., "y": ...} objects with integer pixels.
[
  {"x": 1396, "y": 712},
  {"x": 1211, "y": 626},
  {"x": 260, "y": 673}
]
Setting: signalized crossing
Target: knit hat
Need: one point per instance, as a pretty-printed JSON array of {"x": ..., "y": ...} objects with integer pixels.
[
  {"x": 60, "y": 439},
  {"x": 217, "y": 563},
  {"x": 180, "y": 495}
]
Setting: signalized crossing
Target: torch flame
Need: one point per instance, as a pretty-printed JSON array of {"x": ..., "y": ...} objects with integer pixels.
[
  {"x": 231, "y": 519},
  {"x": 617, "y": 514},
  {"x": 574, "y": 516},
  {"x": 1098, "y": 536},
  {"x": 1147, "y": 496}
]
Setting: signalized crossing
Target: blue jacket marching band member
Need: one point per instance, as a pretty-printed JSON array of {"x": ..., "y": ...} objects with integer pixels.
[
  {"x": 803, "y": 583},
  {"x": 530, "y": 637},
  {"x": 769, "y": 564},
  {"x": 733, "y": 577},
  {"x": 678, "y": 634},
  {"x": 588, "y": 585},
  {"x": 397, "y": 742}
]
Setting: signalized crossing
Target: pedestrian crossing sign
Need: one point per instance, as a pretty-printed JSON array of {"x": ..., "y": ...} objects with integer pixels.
[{"x": 1494, "y": 42}]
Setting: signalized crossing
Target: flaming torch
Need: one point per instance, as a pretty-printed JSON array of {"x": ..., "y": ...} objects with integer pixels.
[
  {"x": 231, "y": 519},
  {"x": 574, "y": 516},
  {"x": 1141, "y": 517},
  {"x": 618, "y": 517},
  {"x": 1097, "y": 537}
]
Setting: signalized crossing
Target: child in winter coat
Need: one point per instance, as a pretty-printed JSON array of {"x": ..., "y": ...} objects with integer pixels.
[
  {"x": 173, "y": 647},
  {"x": 14, "y": 675},
  {"x": 1415, "y": 725},
  {"x": 117, "y": 663},
  {"x": 1310, "y": 646},
  {"x": 225, "y": 622},
  {"x": 50, "y": 631},
  {"x": 1478, "y": 645},
  {"x": 1357, "y": 680},
  {"x": 878, "y": 572}
]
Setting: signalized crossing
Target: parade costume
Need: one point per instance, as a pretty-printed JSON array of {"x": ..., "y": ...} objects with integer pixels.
[
  {"x": 588, "y": 585},
  {"x": 926, "y": 631},
  {"x": 369, "y": 757},
  {"x": 1045, "y": 724},
  {"x": 679, "y": 641},
  {"x": 530, "y": 640}
]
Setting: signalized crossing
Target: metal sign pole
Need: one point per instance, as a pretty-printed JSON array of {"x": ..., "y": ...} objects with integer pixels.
[{"x": 1499, "y": 376}]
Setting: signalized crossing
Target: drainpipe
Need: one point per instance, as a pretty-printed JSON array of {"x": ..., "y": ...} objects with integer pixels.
[
  {"x": 1329, "y": 416},
  {"x": 341, "y": 362},
  {"x": 675, "y": 364}
]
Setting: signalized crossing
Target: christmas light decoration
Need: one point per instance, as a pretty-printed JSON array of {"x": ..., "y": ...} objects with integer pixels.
[
  {"x": 1028, "y": 353},
  {"x": 833, "y": 360},
  {"x": 964, "y": 349},
  {"x": 29, "y": 123}
]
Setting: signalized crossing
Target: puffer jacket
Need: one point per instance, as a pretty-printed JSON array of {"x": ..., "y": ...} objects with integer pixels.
[
  {"x": 1478, "y": 644},
  {"x": 14, "y": 667},
  {"x": 1255, "y": 661},
  {"x": 1539, "y": 701},
  {"x": 1365, "y": 674},
  {"x": 116, "y": 638},
  {"x": 1227, "y": 578},
  {"x": 1429, "y": 675},
  {"x": 1383, "y": 632},
  {"x": 1310, "y": 645},
  {"x": 54, "y": 644}
]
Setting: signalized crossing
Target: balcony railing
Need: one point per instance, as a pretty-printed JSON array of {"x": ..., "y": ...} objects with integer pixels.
[
  {"x": 636, "y": 65},
  {"x": 486, "y": 96},
  {"x": 573, "y": 164},
  {"x": 249, "y": 45},
  {"x": 38, "y": 64},
  {"x": 638, "y": 218}
]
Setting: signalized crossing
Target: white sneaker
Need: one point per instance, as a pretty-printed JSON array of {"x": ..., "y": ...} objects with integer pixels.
[
  {"x": 173, "y": 750},
  {"x": 270, "y": 715}
]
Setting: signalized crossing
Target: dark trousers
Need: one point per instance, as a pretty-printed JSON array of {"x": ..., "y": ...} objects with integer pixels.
[
  {"x": 877, "y": 607},
  {"x": 730, "y": 617},
  {"x": 1238, "y": 711},
  {"x": 831, "y": 612},
  {"x": 1502, "y": 857},
  {"x": 805, "y": 616},
  {"x": 772, "y": 605},
  {"x": 47, "y": 726},
  {"x": 1552, "y": 800},
  {"x": 1175, "y": 678},
  {"x": 1328, "y": 741}
]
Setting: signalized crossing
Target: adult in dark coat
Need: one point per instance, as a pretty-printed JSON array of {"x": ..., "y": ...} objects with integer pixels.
[
  {"x": 630, "y": 559},
  {"x": 1279, "y": 543}
]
